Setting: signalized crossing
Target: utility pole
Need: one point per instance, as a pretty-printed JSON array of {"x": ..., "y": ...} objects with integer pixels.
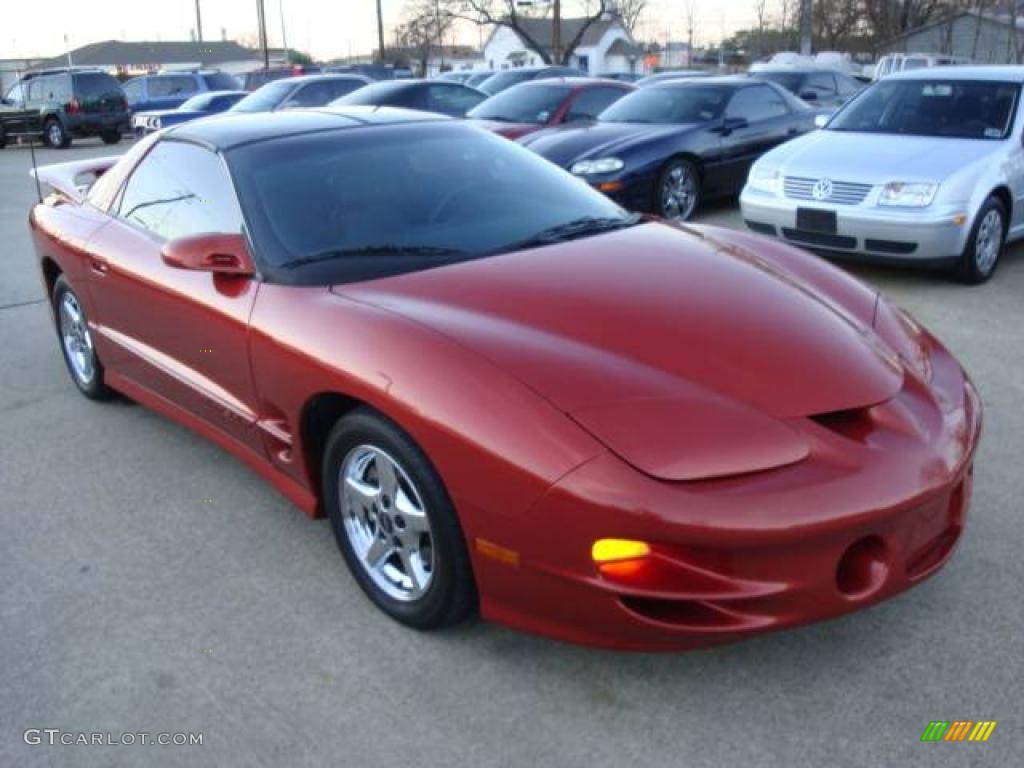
[
  {"x": 380, "y": 33},
  {"x": 199, "y": 23},
  {"x": 262, "y": 18},
  {"x": 556, "y": 32}
]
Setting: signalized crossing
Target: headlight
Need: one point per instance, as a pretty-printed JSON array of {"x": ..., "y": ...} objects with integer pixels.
[
  {"x": 765, "y": 179},
  {"x": 604, "y": 165},
  {"x": 901, "y": 194}
]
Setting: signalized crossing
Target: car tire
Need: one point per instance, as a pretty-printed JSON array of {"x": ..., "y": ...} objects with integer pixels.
[
  {"x": 985, "y": 244},
  {"x": 3, "y": 137},
  {"x": 55, "y": 134},
  {"x": 395, "y": 524},
  {"x": 677, "y": 194},
  {"x": 111, "y": 137},
  {"x": 76, "y": 344}
]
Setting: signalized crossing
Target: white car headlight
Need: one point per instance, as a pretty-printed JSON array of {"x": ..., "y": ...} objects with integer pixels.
[
  {"x": 902, "y": 194},
  {"x": 765, "y": 179},
  {"x": 604, "y": 165}
]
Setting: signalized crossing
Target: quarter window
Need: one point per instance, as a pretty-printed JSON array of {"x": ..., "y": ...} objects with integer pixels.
[{"x": 178, "y": 190}]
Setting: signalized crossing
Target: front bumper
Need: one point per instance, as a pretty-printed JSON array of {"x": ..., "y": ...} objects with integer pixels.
[
  {"x": 879, "y": 505},
  {"x": 927, "y": 235}
]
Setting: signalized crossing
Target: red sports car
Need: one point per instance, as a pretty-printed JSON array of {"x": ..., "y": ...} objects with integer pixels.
[
  {"x": 504, "y": 390},
  {"x": 536, "y": 104}
]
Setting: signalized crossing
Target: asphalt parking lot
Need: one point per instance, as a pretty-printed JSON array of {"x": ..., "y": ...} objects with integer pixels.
[{"x": 151, "y": 583}]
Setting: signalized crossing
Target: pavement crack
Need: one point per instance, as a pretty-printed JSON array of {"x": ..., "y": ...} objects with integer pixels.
[{"x": 19, "y": 304}]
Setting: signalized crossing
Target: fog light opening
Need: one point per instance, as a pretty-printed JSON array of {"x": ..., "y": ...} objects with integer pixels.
[
  {"x": 863, "y": 568},
  {"x": 617, "y": 550}
]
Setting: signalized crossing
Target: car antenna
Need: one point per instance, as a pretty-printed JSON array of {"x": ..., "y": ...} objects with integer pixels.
[{"x": 31, "y": 144}]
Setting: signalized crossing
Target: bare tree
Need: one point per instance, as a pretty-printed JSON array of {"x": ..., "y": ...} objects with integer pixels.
[
  {"x": 423, "y": 30},
  {"x": 630, "y": 11},
  {"x": 889, "y": 18},
  {"x": 835, "y": 20},
  {"x": 761, "y": 11},
  {"x": 512, "y": 13}
]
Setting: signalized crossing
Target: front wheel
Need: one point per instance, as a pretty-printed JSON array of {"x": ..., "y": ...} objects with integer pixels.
[
  {"x": 985, "y": 244},
  {"x": 76, "y": 343},
  {"x": 678, "y": 190},
  {"x": 395, "y": 524}
]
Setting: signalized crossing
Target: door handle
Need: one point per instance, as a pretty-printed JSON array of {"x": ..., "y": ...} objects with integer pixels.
[{"x": 98, "y": 265}]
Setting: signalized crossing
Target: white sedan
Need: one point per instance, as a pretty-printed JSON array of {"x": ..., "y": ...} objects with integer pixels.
[{"x": 924, "y": 167}]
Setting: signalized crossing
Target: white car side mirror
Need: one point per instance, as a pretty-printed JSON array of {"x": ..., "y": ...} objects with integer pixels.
[{"x": 820, "y": 121}]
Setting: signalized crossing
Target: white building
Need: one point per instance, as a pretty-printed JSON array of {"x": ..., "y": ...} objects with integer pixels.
[{"x": 606, "y": 46}]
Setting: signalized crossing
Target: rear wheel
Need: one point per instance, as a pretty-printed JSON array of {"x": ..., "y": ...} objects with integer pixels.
[
  {"x": 678, "y": 190},
  {"x": 111, "y": 137},
  {"x": 394, "y": 523},
  {"x": 985, "y": 244},
  {"x": 3, "y": 137},
  {"x": 76, "y": 343},
  {"x": 55, "y": 135}
]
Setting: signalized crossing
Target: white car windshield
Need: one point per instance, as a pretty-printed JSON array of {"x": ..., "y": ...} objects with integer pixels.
[{"x": 962, "y": 109}]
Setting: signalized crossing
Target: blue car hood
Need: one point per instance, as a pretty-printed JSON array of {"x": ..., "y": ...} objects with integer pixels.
[{"x": 569, "y": 144}]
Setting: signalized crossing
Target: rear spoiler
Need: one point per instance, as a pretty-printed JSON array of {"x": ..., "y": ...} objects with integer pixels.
[{"x": 63, "y": 177}]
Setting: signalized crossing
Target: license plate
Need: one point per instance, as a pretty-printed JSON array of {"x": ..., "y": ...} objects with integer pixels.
[{"x": 815, "y": 220}]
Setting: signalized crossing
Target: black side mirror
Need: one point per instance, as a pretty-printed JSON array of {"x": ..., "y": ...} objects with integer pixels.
[
  {"x": 730, "y": 124},
  {"x": 809, "y": 95}
]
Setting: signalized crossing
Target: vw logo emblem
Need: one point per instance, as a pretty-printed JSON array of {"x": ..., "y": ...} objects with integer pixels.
[{"x": 822, "y": 189}]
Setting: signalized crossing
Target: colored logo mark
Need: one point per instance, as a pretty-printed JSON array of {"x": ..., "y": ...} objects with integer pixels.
[{"x": 958, "y": 730}]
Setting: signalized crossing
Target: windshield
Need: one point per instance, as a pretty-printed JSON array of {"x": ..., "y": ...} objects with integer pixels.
[
  {"x": 669, "y": 104},
  {"x": 961, "y": 109},
  {"x": 526, "y": 103},
  {"x": 788, "y": 80},
  {"x": 266, "y": 98},
  {"x": 503, "y": 80},
  {"x": 371, "y": 95},
  {"x": 198, "y": 102},
  {"x": 355, "y": 204}
]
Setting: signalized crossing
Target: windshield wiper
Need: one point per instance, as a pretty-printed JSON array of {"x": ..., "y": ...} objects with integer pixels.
[
  {"x": 572, "y": 230},
  {"x": 375, "y": 250}
]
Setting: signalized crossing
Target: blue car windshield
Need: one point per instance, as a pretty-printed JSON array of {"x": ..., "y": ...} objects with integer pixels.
[
  {"x": 958, "y": 109},
  {"x": 357, "y": 203},
  {"x": 668, "y": 104}
]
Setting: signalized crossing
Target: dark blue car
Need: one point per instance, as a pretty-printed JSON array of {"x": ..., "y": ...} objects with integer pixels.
[
  {"x": 209, "y": 103},
  {"x": 665, "y": 148},
  {"x": 172, "y": 89}
]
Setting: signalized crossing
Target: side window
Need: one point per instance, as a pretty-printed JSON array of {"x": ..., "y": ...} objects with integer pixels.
[
  {"x": 593, "y": 102},
  {"x": 38, "y": 87},
  {"x": 847, "y": 85},
  {"x": 171, "y": 86},
  {"x": 16, "y": 95},
  {"x": 451, "y": 99},
  {"x": 821, "y": 83},
  {"x": 341, "y": 88},
  {"x": 310, "y": 95},
  {"x": 178, "y": 190},
  {"x": 757, "y": 103},
  {"x": 133, "y": 91}
]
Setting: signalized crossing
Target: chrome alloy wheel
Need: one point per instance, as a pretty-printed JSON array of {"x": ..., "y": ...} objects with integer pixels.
[
  {"x": 74, "y": 333},
  {"x": 989, "y": 241},
  {"x": 678, "y": 194},
  {"x": 386, "y": 523}
]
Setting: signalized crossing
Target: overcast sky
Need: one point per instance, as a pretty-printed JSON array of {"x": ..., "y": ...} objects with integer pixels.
[{"x": 325, "y": 28}]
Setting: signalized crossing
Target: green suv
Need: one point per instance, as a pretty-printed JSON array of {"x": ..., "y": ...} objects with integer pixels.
[{"x": 64, "y": 104}]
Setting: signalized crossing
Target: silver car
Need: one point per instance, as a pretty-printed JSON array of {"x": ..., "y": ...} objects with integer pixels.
[{"x": 924, "y": 167}]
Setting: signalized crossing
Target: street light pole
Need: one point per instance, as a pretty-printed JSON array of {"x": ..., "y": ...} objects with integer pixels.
[
  {"x": 199, "y": 23},
  {"x": 262, "y": 18},
  {"x": 556, "y": 32}
]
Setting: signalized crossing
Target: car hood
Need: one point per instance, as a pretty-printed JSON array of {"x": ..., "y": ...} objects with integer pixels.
[
  {"x": 568, "y": 144},
  {"x": 652, "y": 312},
  {"x": 507, "y": 129},
  {"x": 871, "y": 158}
]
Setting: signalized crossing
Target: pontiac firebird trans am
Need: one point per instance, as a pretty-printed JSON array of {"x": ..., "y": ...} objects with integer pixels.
[{"x": 506, "y": 392}]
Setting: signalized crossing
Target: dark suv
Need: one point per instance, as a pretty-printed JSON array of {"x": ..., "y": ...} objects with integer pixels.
[{"x": 63, "y": 105}]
